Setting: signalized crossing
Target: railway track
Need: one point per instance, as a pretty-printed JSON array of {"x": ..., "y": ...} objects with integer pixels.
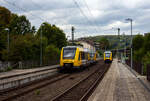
[
  {"x": 82, "y": 89},
  {"x": 22, "y": 90},
  {"x": 53, "y": 86}
]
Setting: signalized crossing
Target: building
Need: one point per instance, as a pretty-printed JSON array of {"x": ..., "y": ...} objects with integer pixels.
[{"x": 88, "y": 45}]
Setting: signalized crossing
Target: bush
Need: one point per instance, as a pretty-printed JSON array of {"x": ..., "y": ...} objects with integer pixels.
[
  {"x": 9, "y": 68},
  {"x": 51, "y": 54},
  {"x": 37, "y": 92}
]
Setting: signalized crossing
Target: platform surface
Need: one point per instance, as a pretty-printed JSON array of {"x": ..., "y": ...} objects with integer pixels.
[
  {"x": 119, "y": 84},
  {"x": 24, "y": 71}
]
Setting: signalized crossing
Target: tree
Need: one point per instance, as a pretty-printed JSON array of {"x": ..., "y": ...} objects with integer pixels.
[
  {"x": 3, "y": 42},
  {"x": 147, "y": 42},
  {"x": 138, "y": 42},
  {"x": 104, "y": 43},
  {"x": 5, "y": 16},
  {"x": 51, "y": 53},
  {"x": 19, "y": 25},
  {"x": 54, "y": 35},
  {"x": 60, "y": 37},
  {"x": 33, "y": 29},
  {"x": 24, "y": 44},
  {"x": 24, "y": 48}
]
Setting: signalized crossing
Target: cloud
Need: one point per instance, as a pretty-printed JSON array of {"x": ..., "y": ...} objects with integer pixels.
[{"x": 103, "y": 14}]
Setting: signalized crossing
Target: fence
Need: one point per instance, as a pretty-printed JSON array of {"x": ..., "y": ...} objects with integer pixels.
[
  {"x": 148, "y": 72},
  {"x": 25, "y": 64},
  {"x": 34, "y": 64},
  {"x": 137, "y": 66}
]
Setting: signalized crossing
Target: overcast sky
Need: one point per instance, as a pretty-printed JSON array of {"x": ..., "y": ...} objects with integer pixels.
[{"x": 89, "y": 17}]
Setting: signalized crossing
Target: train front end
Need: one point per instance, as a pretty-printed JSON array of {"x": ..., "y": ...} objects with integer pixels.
[
  {"x": 69, "y": 58},
  {"x": 107, "y": 56}
]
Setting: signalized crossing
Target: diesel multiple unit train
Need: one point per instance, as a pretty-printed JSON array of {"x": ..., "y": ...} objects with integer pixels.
[
  {"x": 108, "y": 56},
  {"x": 77, "y": 57}
]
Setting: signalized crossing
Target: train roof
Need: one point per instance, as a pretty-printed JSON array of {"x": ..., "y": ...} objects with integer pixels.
[
  {"x": 107, "y": 52},
  {"x": 81, "y": 48},
  {"x": 72, "y": 47}
]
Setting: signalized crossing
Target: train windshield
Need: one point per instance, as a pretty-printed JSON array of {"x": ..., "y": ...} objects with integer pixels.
[
  {"x": 69, "y": 53},
  {"x": 107, "y": 55}
]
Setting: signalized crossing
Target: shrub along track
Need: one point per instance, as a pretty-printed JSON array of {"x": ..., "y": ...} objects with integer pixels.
[{"x": 46, "y": 90}]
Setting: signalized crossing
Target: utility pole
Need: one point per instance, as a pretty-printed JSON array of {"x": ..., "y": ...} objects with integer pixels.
[
  {"x": 125, "y": 48},
  {"x": 72, "y": 29},
  {"x": 131, "y": 46},
  {"x": 118, "y": 29},
  {"x": 8, "y": 45},
  {"x": 124, "y": 40},
  {"x": 41, "y": 55},
  {"x": 129, "y": 19},
  {"x": 119, "y": 40}
]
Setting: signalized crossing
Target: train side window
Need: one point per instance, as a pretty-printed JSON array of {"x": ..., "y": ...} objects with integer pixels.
[
  {"x": 86, "y": 56},
  {"x": 83, "y": 55}
]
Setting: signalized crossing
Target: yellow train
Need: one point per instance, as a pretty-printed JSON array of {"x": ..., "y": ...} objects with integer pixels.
[
  {"x": 108, "y": 56},
  {"x": 76, "y": 57}
]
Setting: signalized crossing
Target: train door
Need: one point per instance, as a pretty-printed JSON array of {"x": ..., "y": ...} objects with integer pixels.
[{"x": 80, "y": 59}]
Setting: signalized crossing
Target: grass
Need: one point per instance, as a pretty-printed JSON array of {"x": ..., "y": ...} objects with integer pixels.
[
  {"x": 7, "y": 69},
  {"x": 37, "y": 92}
]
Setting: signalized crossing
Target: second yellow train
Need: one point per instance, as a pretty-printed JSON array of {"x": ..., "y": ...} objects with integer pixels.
[{"x": 108, "y": 57}]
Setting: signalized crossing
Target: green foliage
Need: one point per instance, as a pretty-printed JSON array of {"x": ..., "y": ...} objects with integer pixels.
[
  {"x": 26, "y": 42},
  {"x": 54, "y": 35},
  {"x": 138, "y": 42},
  {"x": 100, "y": 53},
  {"x": 37, "y": 92},
  {"x": 19, "y": 25},
  {"x": 138, "y": 50},
  {"x": 146, "y": 61},
  {"x": 138, "y": 54},
  {"x": 114, "y": 41},
  {"x": 9, "y": 69},
  {"x": 3, "y": 42},
  {"x": 6, "y": 70},
  {"x": 146, "y": 58},
  {"x": 22, "y": 48},
  {"x": 147, "y": 42},
  {"x": 52, "y": 52},
  {"x": 5, "y": 16},
  {"x": 104, "y": 43},
  {"x": 141, "y": 50}
]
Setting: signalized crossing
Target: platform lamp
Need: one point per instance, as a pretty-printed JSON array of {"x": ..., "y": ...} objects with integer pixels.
[
  {"x": 8, "y": 44},
  {"x": 129, "y": 19},
  {"x": 41, "y": 49}
]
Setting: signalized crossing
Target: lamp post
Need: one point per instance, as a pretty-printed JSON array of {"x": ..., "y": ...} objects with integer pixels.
[
  {"x": 125, "y": 45},
  {"x": 41, "y": 52},
  {"x": 129, "y": 19},
  {"x": 7, "y": 29},
  {"x": 124, "y": 40}
]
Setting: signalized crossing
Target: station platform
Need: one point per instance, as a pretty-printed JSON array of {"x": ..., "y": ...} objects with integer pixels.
[
  {"x": 16, "y": 72},
  {"x": 16, "y": 78},
  {"x": 120, "y": 84}
]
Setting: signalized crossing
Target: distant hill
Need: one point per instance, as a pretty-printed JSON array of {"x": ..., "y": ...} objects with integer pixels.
[{"x": 113, "y": 40}]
